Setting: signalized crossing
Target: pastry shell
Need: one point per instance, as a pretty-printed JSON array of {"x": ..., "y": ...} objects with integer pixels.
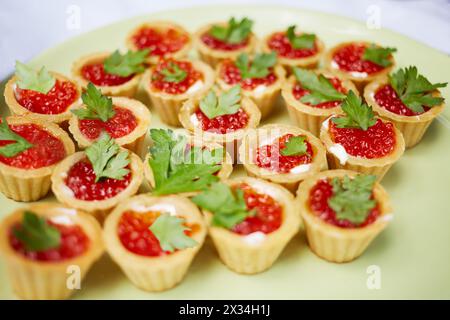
[
  {"x": 134, "y": 141},
  {"x": 214, "y": 56},
  {"x": 168, "y": 105},
  {"x": 290, "y": 181},
  {"x": 161, "y": 272},
  {"x": 412, "y": 127},
  {"x": 39, "y": 280},
  {"x": 127, "y": 89},
  {"x": 376, "y": 166},
  {"x": 308, "y": 117},
  {"x": 98, "y": 208},
  {"x": 247, "y": 258},
  {"x": 31, "y": 184},
  {"x": 18, "y": 110},
  {"x": 333, "y": 243}
]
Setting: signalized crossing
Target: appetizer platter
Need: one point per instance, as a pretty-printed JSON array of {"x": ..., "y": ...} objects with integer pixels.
[{"x": 227, "y": 152}]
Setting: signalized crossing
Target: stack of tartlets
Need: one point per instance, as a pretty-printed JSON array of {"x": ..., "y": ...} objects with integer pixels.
[{"x": 150, "y": 196}]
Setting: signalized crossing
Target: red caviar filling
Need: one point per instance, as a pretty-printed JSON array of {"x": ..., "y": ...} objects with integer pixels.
[
  {"x": 46, "y": 150},
  {"x": 121, "y": 124},
  {"x": 74, "y": 242},
  {"x": 280, "y": 43},
  {"x": 231, "y": 74},
  {"x": 226, "y": 123},
  {"x": 387, "y": 98},
  {"x": 160, "y": 42},
  {"x": 349, "y": 58},
  {"x": 96, "y": 74},
  {"x": 158, "y": 82},
  {"x": 56, "y": 101},
  {"x": 217, "y": 44},
  {"x": 135, "y": 235},
  {"x": 269, "y": 156},
  {"x": 81, "y": 180},
  {"x": 298, "y": 91},
  {"x": 376, "y": 142},
  {"x": 268, "y": 213},
  {"x": 318, "y": 202}
]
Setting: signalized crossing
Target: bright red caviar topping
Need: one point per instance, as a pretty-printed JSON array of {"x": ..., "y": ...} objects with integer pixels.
[
  {"x": 81, "y": 180},
  {"x": 217, "y": 44},
  {"x": 158, "y": 82},
  {"x": 279, "y": 43},
  {"x": 318, "y": 202},
  {"x": 231, "y": 75},
  {"x": 96, "y": 74},
  {"x": 298, "y": 91},
  {"x": 56, "y": 101},
  {"x": 46, "y": 150},
  {"x": 74, "y": 242},
  {"x": 120, "y": 125},
  {"x": 135, "y": 235},
  {"x": 268, "y": 217},
  {"x": 269, "y": 156},
  {"x": 160, "y": 42},
  {"x": 226, "y": 123},
  {"x": 387, "y": 98},
  {"x": 376, "y": 142},
  {"x": 349, "y": 58}
]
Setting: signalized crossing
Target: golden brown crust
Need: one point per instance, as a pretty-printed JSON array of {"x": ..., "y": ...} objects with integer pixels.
[
  {"x": 17, "y": 109},
  {"x": 259, "y": 137},
  {"x": 140, "y": 111},
  {"x": 127, "y": 89},
  {"x": 161, "y": 25},
  {"x": 213, "y": 56}
]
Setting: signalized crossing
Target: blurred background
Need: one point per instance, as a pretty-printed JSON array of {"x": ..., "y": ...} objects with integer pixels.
[{"x": 28, "y": 27}]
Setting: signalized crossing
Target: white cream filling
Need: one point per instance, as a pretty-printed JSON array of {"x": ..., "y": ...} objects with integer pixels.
[
  {"x": 195, "y": 87},
  {"x": 194, "y": 120},
  {"x": 65, "y": 220},
  {"x": 255, "y": 238},
  {"x": 163, "y": 207},
  {"x": 300, "y": 168},
  {"x": 259, "y": 90},
  {"x": 355, "y": 74},
  {"x": 339, "y": 151}
]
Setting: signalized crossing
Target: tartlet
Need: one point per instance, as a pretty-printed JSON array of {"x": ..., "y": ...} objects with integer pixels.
[
  {"x": 346, "y": 60},
  {"x": 330, "y": 237},
  {"x": 165, "y": 39},
  {"x": 150, "y": 267},
  {"x": 309, "y": 116},
  {"x": 44, "y": 274},
  {"x": 213, "y": 51},
  {"x": 261, "y": 154},
  {"x": 25, "y": 176},
  {"x": 252, "y": 243},
  {"x": 167, "y": 97},
  {"x": 90, "y": 69}
]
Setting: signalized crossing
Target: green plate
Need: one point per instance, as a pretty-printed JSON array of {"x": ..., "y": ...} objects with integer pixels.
[{"x": 412, "y": 253}]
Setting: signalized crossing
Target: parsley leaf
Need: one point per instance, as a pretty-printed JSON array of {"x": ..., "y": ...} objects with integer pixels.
[
  {"x": 36, "y": 234},
  {"x": 204, "y": 155},
  {"x": 125, "y": 65},
  {"x": 170, "y": 232},
  {"x": 172, "y": 170},
  {"x": 41, "y": 81},
  {"x": 295, "y": 146},
  {"x": 227, "y": 103},
  {"x": 258, "y": 68},
  {"x": 234, "y": 32},
  {"x": 302, "y": 41},
  {"x": 228, "y": 207},
  {"x": 98, "y": 106},
  {"x": 414, "y": 89},
  {"x": 351, "y": 198},
  {"x": 319, "y": 87},
  {"x": 106, "y": 158},
  {"x": 6, "y": 134},
  {"x": 173, "y": 73},
  {"x": 378, "y": 55},
  {"x": 357, "y": 114}
]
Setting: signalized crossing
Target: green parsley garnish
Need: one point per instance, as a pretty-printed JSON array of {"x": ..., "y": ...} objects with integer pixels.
[
  {"x": 295, "y": 146},
  {"x": 125, "y": 65},
  {"x": 173, "y": 73},
  {"x": 234, "y": 32},
  {"x": 414, "y": 89},
  {"x": 170, "y": 232},
  {"x": 302, "y": 41},
  {"x": 98, "y": 106},
  {"x": 357, "y": 114},
  {"x": 6, "y": 134},
  {"x": 378, "y": 55},
  {"x": 27, "y": 78},
  {"x": 258, "y": 68},
  {"x": 227, "y": 103}
]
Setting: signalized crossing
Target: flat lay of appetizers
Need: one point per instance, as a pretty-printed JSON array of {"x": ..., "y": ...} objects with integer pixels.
[{"x": 169, "y": 143}]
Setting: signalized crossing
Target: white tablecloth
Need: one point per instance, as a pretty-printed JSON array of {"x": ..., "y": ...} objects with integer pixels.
[{"x": 28, "y": 26}]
